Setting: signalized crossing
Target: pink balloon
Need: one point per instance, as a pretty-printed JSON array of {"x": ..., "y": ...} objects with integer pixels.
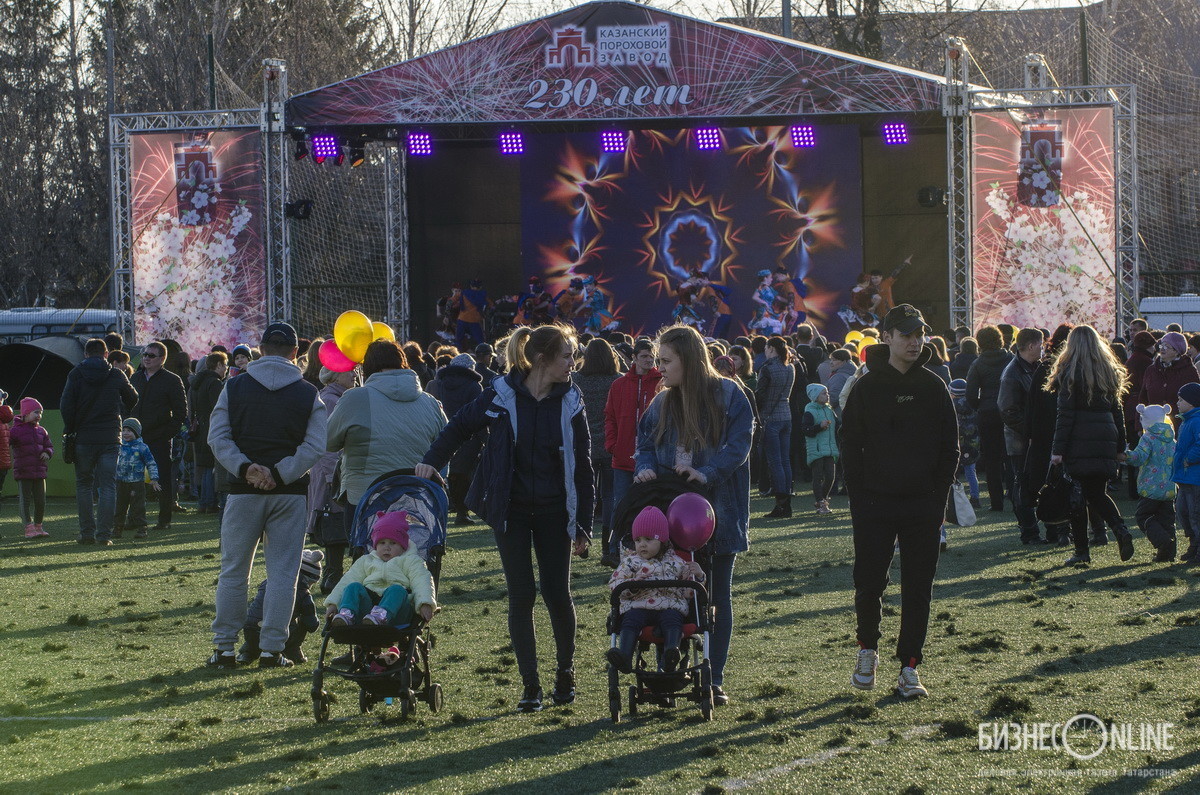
[
  {"x": 691, "y": 520},
  {"x": 332, "y": 357}
]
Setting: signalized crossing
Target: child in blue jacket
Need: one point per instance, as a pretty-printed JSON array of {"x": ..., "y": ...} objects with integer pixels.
[
  {"x": 1186, "y": 469},
  {"x": 1155, "y": 458},
  {"x": 133, "y": 460}
]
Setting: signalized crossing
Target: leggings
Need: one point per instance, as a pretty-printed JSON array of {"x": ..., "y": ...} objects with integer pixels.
[
  {"x": 720, "y": 593},
  {"x": 823, "y": 472},
  {"x": 547, "y": 535},
  {"x": 33, "y": 492},
  {"x": 1095, "y": 494}
]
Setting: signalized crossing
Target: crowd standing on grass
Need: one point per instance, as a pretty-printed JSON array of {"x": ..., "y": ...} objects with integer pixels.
[{"x": 544, "y": 434}]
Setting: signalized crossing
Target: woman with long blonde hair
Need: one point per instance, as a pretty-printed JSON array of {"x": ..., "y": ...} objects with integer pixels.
[
  {"x": 699, "y": 426},
  {"x": 1089, "y": 436}
]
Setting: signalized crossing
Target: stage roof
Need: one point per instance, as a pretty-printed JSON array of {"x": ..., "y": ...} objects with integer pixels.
[{"x": 618, "y": 61}]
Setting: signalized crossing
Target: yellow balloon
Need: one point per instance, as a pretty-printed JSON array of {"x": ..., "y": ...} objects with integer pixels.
[
  {"x": 353, "y": 333},
  {"x": 382, "y": 331},
  {"x": 853, "y": 336}
]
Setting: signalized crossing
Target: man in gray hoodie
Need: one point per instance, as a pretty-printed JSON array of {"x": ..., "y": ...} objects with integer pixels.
[{"x": 267, "y": 430}]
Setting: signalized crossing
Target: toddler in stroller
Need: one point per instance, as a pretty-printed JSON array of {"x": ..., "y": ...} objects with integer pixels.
[{"x": 375, "y": 584}]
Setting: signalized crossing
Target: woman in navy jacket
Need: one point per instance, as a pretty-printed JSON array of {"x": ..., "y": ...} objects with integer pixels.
[{"x": 533, "y": 486}]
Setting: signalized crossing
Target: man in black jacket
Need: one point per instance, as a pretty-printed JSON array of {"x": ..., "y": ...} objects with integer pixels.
[
  {"x": 1012, "y": 402},
  {"x": 900, "y": 453},
  {"x": 93, "y": 400},
  {"x": 162, "y": 408}
]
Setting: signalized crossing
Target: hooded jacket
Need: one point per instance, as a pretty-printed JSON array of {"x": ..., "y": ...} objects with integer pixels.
[
  {"x": 628, "y": 398},
  {"x": 899, "y": 431},
  {"x": 110, "y": 394},
  {"x": 28, "y": 443},
  {"x": 386, "y": 424},
  {"x": 6, "y": 418},
  {"x": 455, "y": 387},
  {"x": 376, "y": 575},
  {"x": 1155, "y": 457},
  {"x": 206, "y": 388},
  {"x": 270, "y": 416},
  {"x": 822, "y": 442},
  {"x": 501, "y": 411},
  {"x": 838, "y": 376},
  {"x": 1186, "y": 466},
  {"x": 133, "y": 459}
]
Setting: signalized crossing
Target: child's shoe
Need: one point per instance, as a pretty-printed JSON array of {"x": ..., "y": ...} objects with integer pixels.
[
  {"x": 31, "y": 530},
  {"x": 40, "y": 530},
  {"x": 344, "y": 618},
  {"x": 377, "y": 616},
  {"x": 671, "y": 659}
]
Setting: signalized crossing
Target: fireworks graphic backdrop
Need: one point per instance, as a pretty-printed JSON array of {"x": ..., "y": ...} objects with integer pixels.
[
  {"x": 1035, "y": 262},
  {"x": 640, "y": 221}
]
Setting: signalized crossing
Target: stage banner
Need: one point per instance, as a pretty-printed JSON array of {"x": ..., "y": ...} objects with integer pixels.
[
  {"x": 199, "y": 264},
  {"x": 616, "y": 61},
  {"x": 1044, "y": 206},
  {"x": 664, "y": 232}
]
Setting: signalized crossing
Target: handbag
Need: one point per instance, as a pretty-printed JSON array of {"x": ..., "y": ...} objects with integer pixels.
[
  {"x": 1060, "y": 498},
  {"x": 964, "y": 512}
]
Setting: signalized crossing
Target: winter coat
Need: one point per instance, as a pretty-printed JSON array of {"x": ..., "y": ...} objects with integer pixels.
[
  {"x": 1139, "y": 359},
  {"x": 1089, "y": 434},
  {"x": 774, "y": 391},
  {"x": 838, "y": 377},
  {"x": 28, "y": 443},
  {"x": 133, "y": 459},
  {"x": 455, "y": 387},
  {"x": 668, "y": 567},
  {"x": 6, "y": 419},
  {"x": 940, "y": 369},
  {"x": 821, "y": 442},
  {"x": 968, "y": 432},
  {"x": 320, "y": 477},
  {"x": 161, "y": 406},
  {"x": 983, "y": 380},
  {"x": 1161, "y": 382},
  {"x": 960, "y": 365},
  {"x": 1155, "y": 457},
  {"x": 377, "y": 575},
  {"x": 1186, "y": 467},
  {"x": 1041, "y": 412},
  {"x": 899, "y": 431},
  {"x": 595, "y": 389},
  {"x": 498, "y": 410},
  {"x": 1012, "y": 401},
  {"x": 386, "y": 424},
  {"x": 206, "y": 388},
  {"x": 94, "y": 381},
  {"x": 813, "y": 357},
  {"x": 628, "y": 398},
  {"x": 726, "y": 467}
]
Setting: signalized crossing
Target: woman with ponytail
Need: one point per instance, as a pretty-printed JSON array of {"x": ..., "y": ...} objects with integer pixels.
[
  {"x": 699, "y": 426},
  {"x": 533, "y": 486}
]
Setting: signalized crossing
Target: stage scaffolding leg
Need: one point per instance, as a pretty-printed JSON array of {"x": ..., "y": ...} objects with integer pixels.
[
  {"x": 396, "y": 232},
  {"x": 122, "y": 223},
  {"x": 275, "y": 188},
  {"x": 956, "y": 108},
  {"x": 1128, "y": 263}
]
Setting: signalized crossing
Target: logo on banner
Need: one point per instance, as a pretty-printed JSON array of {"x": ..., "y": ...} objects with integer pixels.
[
  {"x": 616, "y": 45},
  {"x": 570, "y": 47}
]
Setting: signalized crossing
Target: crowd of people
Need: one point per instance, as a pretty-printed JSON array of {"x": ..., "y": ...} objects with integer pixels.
[{"x": 544, "y": 434}]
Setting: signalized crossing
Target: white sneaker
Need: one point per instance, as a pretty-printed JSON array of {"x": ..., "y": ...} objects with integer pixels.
[
  {"x": 909, "y": 684},
  {"x": 864, "y": 670}
]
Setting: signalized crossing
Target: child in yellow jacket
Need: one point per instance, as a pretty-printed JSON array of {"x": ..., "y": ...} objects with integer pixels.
[{"x": 376, "y": 588}]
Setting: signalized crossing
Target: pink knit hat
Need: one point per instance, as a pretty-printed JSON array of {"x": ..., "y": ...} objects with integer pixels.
[
  {"x": 29, "y": 404},
  {"x": 391, "y": 525},
  {"x": 651, "y": 523}
]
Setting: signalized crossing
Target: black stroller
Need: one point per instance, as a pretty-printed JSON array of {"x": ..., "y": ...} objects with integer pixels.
[
  {"x": 692, "y": 679},
  {"x": 403, "y": 677}
]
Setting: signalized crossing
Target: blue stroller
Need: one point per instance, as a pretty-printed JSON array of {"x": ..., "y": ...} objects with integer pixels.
[{"x": 405, "y": 677}]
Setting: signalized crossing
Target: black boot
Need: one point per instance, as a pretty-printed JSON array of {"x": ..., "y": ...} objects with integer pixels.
[
  {"x": 778, "y": 511},
  {"x": 671, "y": 653},
  {"x": 786, "y": 502},
  {"x": 334, "y": 556},
  {"x": 1124, "y": 541},
  {"x": 1099, "y": 537},
  {"x": 1166, "y": 552},
  {"x": 621, "y": 655}
]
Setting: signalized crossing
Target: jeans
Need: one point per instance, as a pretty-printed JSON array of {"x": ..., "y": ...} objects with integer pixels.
[
  {"x": 161, "y": 451},
  {"x": 993, "y": 457},
  {"x": 206, "y": 481},
  {"x": 1187, "y": 506},
  {"x": 131, "y": 498},
  {"x": 33, "y": 500},
  {"x": 720, "y": 595},
  {"x": 547, "y": 535},
  {"x": 604, "y": 491},
  {"x": 96, "y": 468},
  {"x": 1021, "y": 498},
  {"x": 777, "y": 441},
  {"x": 823, "y": 471},
  {"x": 622, "y": 480},
  {"x": 972, "y": 479},
  {"x": 359, "y": 600}
]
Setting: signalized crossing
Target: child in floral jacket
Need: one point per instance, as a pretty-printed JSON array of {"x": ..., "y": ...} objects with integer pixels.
[
  {"x": 1155, "y": 458},
  {"x": 652, "y": 559}
]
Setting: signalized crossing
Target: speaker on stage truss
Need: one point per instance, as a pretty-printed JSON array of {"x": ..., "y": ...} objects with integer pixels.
[
  {"x": 931, "y": 197},
  {"x": 300, "y": 209}
]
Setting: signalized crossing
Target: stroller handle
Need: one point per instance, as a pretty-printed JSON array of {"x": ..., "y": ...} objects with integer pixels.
[{"x": 638, "y": 585}]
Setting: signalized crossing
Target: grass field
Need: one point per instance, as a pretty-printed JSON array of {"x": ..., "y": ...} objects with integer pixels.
[{"x": 104, "y": 685}]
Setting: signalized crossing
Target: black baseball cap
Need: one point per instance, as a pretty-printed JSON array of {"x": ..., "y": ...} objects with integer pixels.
[
  {"x": 483, "y": 349},
  {"x": 280, "y": 334},
  {"x": 906, "y": 319}
]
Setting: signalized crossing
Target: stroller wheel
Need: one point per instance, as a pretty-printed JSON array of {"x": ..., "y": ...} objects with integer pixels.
[
  {"x": 365, "y": 702},
  {"x": 435, "y": 698},
  {"x": 321, "y": 708},
  {"x": 406, "y": 705},
  {"x": 633, "y": 699}
]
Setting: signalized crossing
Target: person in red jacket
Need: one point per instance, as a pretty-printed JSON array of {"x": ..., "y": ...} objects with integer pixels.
[
  {"x": 627, "y": 401},
  {"x": 31, "y": 456},
  {"x": 1171, "y": 369}
]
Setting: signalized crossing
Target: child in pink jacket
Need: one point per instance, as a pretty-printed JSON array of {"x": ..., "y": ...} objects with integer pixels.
[
  {"x": 31, "y": 452},
  {"x": 652, "y": 559}
]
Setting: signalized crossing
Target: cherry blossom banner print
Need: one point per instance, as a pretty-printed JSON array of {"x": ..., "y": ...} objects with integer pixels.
[
  {"x": 198, "y": 257},
  {"x": 1044, "y": 239}
]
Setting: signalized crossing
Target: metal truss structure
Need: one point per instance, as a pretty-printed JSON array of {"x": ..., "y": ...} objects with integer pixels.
[
  {"x": 275, "y": 191},
  {"x": 399, "y": 310}
]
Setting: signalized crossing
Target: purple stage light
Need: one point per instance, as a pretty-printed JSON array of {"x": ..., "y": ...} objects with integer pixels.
[
  {"x": 803, "y": 135},
  {"x": 612, "y": 141},
  {"x": 420, "y": 144},
  {"x": 512, "y": 143},
  {"x": 895, "y": 132},
  {"x": 324, "y": 146},
  {"x": 708, "y": 138}
]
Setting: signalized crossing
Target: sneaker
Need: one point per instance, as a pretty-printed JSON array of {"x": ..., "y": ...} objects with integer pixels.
[
  {"x": 1099, "y": 539},
  {"x": 31, "y": 531},
  {"x": 564, "y": 687},
  {"x": 39, "y": 530},
  {"x": 343, "y": 618},
  {"x": 531, "y": 700},
  {"x": 462, "y": 520},
  {"x": 276, "y": 660},
  {"x": 909, "y": 684},
  {"x": 143, "y": 533},
  {"x": 296, "y": 655},
  {"x": 221, "y": 659},
  {"x": 86, "y": 540},
  {"x": 377, "y": 616},
  {"x": 864, "y": 670},
  {"x": 976, "y": 504},
  {"x": 618, "y": 660},
  {"x": 247, "y": 656},
  {"x": 1078, "y": 561},
  {"x": 104, "y": 542},
  {"x": 720, "y": 697}
]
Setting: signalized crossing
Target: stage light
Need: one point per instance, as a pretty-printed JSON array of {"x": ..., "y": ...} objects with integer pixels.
[
  {"x": 708, "y": 138},
  {"x": 324, "y": 147},
  {"x": 420, "y": 144},
  {"x": 895, "y": 132},
  {"x": 358, "y": 155},
  {"x": 931, "y": 196},
  {"x": 612, "y": 141},
  {"x": 341, "y": 158},
  {"x": 803, "y": 135},
  {"x": 512, "y": 143},
  {"x": 301, "y": 150}
]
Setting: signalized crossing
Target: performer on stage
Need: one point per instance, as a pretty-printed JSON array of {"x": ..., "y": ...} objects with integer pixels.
[
  {"x": 881, "y": 288},
  {"x": 448, "y": 313},
  {"x": 536, "y": 306},
  {"x": 569, "y": 303},
  {"x": 793, "y": 291},
  {"x": 684, "y": 312},
  {"x": 470, "y": 304},
  {"x": 763, "y": 297},
  {"x": 717, "y": 297},
  {"x": 596, "y": 309}
]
